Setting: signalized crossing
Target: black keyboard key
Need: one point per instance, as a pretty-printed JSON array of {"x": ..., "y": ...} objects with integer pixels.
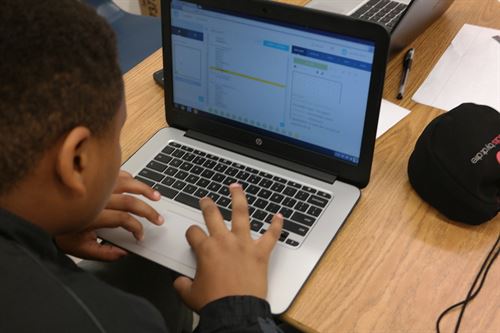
[
  {"x": 178, "y": 185},
  {"x": 212, "y": 157},
  {"x": 228, "y": 181},
  {"x": 295, "y": 228},
  {"x": 186, "y": 148},
  {"x": 252, "y": 189},
  {"x": 203, "y": 182},
  {"x": 273, "y": 208},
  {"x": 324, "y": 195},
  {"x": 213, "y": 196},
  {"x": 252, "y": 170},
  {"x": 176, "y": 162},
  {"x": 276, "y": 198},
  {"x": 223, "y": 201},
  {"x": 200, "y": 193},
  {"x": 250, "y": 211},
  {"x": 181, "y": 175},
  {"x": 301, "y": 195},
  {"x": 220, "y": 167},
  {"x": 279, "y": 179},
  {"x": 302, "y": 218},
  {"x": 250, "y": 199},
  {"x": 145, "y": 181},
  {"x": 243, "y": 184},
  {"x": 224, "y": 190},
  {"x": 243, "y": 175},
  {"x": 294, "y": 184},
  {"x": 214, "y": 186},
  {"x": 168, "y": 150},
  {"x": 163, "y": 158},
  {"x": 314, "y": 211},
  {"x": 292, "y": 242},
  {"x": 218, "y": 177},
  {"x": 254, "y": 179},
  {"x": 266, "y": 183},
  {"x": 301, "y": 206},
  {"x": 289, "y": 202},
  {"x": 223, "y": 160},
  {"x": 290, "y": 191},
  {"x": 317, "y": 201},
  {"x": 174, "y": 144},
  {"x": 283, "y": 236},
  {"x": 231, "y": 171},
  {"x": 168, "y": 181},
  {"x": 207, "y": 174},
  {"x": 269, "y": 218},
  {"x": 238, "y": 166},
  {"x": 198, "y": 160},
  {"x": 165, "y": 191},
  {"x": 277, "y": 187},
  {"x": 261, "y": 203},
  {"x": 150, "y": 174},
  {"x": 186, "y": 166},
  {"x": 170, "y": 171},
  {"x": 199, "y": 152},
  {"x": 192, "y": 179},
  {"x": 209, "y": 164},
  {"x": 259, "y": 215},
  {"x": 265, "y": 174},
  {"x": 197, "y": 170},
  {"x": 309, "y": 189},
  {"x": 190, "y": 189},
  {"x": 263, "y": 193},
  {"x": 156, "y": 166},
  {"x": 188, "y": 157},
  {"x": 178, "y": 153},
  {"x": 188, "y": 200},
  {"x": 286, "y": 212},
  {"x": 256, "y": 225}
]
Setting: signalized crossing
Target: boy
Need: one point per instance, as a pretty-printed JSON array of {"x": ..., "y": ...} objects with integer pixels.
[{"x": 61, "y": 113}]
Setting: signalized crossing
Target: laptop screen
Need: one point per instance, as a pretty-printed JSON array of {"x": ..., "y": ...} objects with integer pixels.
[{"x": 303, "y": 86}]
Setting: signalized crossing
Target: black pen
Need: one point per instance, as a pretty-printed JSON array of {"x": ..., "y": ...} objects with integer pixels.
[{"x": 406, "y": 71}]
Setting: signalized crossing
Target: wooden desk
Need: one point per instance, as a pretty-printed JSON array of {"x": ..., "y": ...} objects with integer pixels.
[{"x": 397, "y": 263}]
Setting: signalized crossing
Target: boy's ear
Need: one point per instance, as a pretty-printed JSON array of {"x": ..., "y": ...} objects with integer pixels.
[{"x": 73, "y": 159}]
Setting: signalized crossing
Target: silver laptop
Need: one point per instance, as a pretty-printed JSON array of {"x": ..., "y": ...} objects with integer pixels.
[
  {"x": 404, "y": 19},
  {"x": 282, "y": 99}
]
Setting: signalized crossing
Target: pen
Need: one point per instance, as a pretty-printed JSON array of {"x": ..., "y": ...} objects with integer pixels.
[{"x": 406, "y": 71}]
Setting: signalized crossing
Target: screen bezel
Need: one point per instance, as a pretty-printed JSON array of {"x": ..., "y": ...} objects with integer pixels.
[{"x": 338, "y": 24}]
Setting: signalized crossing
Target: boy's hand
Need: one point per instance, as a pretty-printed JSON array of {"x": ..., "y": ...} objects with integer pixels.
[
  {"x": 116, "y": 214},
  {"x": 229, "y": 262}
]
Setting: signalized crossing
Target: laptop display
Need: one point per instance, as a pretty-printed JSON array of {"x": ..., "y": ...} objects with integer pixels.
[{"x": 238, "y": 70}]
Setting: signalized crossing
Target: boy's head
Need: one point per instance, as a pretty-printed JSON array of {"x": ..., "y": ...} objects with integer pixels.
[{"x": 61, "y": 101}]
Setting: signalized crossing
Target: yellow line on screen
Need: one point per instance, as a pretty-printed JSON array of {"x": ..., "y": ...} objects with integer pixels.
[{"x": 279, "y": 85}]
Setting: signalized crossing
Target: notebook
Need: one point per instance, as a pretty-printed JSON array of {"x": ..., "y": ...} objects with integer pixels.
[
  {"x": 404, "y": 19},
  {"x": 281, "y": 99}
]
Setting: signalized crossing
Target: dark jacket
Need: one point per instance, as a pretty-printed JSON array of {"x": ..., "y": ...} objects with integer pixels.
[{"x": 42, "y": 290}]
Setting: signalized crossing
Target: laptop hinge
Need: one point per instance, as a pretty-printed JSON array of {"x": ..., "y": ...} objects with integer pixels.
[{"x": 307, "y": 171}]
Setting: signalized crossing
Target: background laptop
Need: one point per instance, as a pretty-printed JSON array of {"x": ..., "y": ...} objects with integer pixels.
[
  {"x": 283, "y": 100},
  {"x": 404, "y": 19}
]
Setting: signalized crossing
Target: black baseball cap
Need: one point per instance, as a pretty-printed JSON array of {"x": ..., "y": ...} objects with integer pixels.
[{"x": 455, "y": 165}]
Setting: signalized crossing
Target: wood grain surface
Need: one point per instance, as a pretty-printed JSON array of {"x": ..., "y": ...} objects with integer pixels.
[{"x": 397, "y": 263}]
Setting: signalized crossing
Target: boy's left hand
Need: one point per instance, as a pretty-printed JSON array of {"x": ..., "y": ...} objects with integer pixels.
[{"x": 116, "y": 214}]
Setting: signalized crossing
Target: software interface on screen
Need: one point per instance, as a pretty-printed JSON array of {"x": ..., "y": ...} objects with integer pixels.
[{"x": 306, "y": 86}]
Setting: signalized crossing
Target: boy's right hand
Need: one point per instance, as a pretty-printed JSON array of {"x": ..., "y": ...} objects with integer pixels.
[{"x": 229, "y": 262}]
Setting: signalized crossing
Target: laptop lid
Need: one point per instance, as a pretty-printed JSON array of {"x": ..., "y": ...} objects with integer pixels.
[{"x": 300, "y": 85}]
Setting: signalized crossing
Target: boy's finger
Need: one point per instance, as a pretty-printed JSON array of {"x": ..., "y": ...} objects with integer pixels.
[
  {"x": 239, "y": 224},
  {"x": 195, "y": 236},
  {"x": 212, "y": 216},
  {"x": 131, "y": 185},
  {"x": 116, "y": 218},
  {"x": 271, "y": 236},
  {"x": 130, "y": 204},
  {"x": 183, "y": 287}
]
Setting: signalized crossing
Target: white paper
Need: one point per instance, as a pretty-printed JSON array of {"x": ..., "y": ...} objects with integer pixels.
[
  {"x": 390, "y": 115},
  {"x": 469, "y": 71}
]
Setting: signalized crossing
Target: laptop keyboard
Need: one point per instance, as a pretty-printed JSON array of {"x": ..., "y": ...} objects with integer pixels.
[
  {"x": 385, "y": 12},
  {"x": 186, "y": 174}
]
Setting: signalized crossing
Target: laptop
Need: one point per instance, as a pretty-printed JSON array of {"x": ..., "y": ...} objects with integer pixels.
[
  {"x": 281, "y": 99},
  {"x": 404, "y": 19}
]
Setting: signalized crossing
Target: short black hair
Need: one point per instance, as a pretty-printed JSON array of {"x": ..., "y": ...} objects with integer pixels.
[{"x": 58, "y": 70}]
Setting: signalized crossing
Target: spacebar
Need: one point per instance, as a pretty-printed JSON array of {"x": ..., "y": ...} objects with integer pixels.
[
  {"x": 188, "y": 200},
  {"x": 195, "y": 203}
]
